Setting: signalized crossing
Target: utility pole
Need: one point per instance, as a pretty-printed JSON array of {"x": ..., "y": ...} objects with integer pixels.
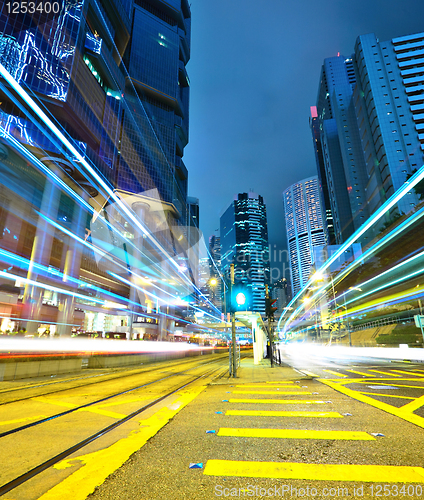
[
  {"x": 269, "y": 311},
  {"x": 233, "y": 328}
]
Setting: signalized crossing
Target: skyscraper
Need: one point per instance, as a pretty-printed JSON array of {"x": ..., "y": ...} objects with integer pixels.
[
  {"x": 305, "y": 226},
  {"x": 389, "y": 105},
  {"x": 339, "y": 156},
  {"x": 244, "y": 243},
  {"x": 217, "y": 288},
  {"x": 368, "y": 128},
  {"x": 281, "y": 292},
  {"x": 94, "y": 109}
]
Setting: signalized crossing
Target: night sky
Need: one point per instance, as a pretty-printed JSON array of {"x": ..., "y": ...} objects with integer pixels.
[{"x": 254, "y": 72}]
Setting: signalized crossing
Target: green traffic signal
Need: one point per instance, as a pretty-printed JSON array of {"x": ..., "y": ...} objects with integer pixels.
[{"x": 241, "y": 298}]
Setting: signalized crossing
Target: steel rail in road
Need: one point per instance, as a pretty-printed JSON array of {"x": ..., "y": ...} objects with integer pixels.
[{"x": 14, "y": 483}]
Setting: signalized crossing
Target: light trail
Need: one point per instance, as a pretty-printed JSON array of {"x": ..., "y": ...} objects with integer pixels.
[
  {"x": 363, "y": 257},
  {"x": 89, "y": 169}
]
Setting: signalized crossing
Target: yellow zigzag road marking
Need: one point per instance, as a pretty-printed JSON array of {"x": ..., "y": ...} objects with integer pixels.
[
  {"x": 397, "y": 385},
  {"x": 265, "y": 413},
  {"x": 398, "y": 412},
  {"x": 385, "y": 395},
  {"x": 413, "y": 405},
  {"x": 295, "y": 434},
  {"x": 360, "y": 373},
  {"x": 337, "y": 374},
  {"x": 316, "y": 472},
  {"x": 388, "y": 374},
  {"x": 382, "y": 381},
  {"x": 409, "y": 373}
]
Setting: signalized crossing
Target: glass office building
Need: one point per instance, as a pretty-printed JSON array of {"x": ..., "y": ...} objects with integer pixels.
[
  {"x": 244, "y": 243},
  {"x": 336, "y": 136},
  {"x": 389, "y": 105},
  {"x": 305, "y": 226},
  {"x": 367, "y": 129},
  {"x": 93, "y": 124}
]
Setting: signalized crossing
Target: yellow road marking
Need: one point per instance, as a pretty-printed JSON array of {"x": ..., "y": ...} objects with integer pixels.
[
  {"x": 388, "y": 374},
  {"x": 409, "y": 373},
  {"x": 395, "y": 385},
  {"x": 265, "y": 413},
  {"x": 413, "y": 405},
  {"x": 398, "y": 412},
  {"x": 106, "y": 413},
  {"x": 382, "y": 381},
  {"x": 276, "y": 401},
  {"x": 385, "y": 395},
  {"x": 19, "y": 420},
  {"x": 360, "y": 373},
  {"x": 267, "y": 386},
  {"x": 94, "y": 468},
  {"x": 296, "y": 393},
  {"x": 295, "y": 434},
  {"x": 316, "y": 472},
  {"x": 123, "y": 402},
  {"x": 91, "y": 409},
  {"x": 335, "y": 373}
]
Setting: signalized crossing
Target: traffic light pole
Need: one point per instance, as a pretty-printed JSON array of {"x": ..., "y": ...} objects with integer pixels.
[
  {"x": 270, "y": 316},
  {"x": 233, "y": 329}
]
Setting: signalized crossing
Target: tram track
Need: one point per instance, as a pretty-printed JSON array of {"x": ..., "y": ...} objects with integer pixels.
[
  {"x": 131, "y": 371},
  {"x": 92, "y": 403},
  {"x": 35, "y": 470}
]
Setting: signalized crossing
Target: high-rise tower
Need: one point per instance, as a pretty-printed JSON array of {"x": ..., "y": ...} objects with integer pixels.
[
  {"x": 94, "y": 110},
  {"x": 368, "y": 128},
  {"x": 389, "y": 104},
  {"x": 338, "y": 148},
  {"x": 305, "y": 226},
  {"x": 244, "y": 243}
]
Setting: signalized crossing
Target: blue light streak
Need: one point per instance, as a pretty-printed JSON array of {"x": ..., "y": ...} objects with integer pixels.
[{"x": 413, "y": 181}]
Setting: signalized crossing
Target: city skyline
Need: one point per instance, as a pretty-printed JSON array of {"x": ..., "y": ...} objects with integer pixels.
[{"x": 251, "y": 95}]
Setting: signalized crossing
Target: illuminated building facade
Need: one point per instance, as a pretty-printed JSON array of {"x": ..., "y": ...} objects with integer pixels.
[
  {"x": 389, "y": 106},
  {"x": 193, "y": 210},
  {"x": 281, "y": 292},
  {"x": 244, "y": 243},
  {"x": 337, "y": 145},
  {"x": 305, "y": 226},
  {"x": 367, "y": 128},
  {"x": 93, "y": 125},
  {"x": 217, "y": 287}
]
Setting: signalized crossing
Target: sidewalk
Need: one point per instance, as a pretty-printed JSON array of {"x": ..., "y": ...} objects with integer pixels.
[{"x": 229, "y": 430}]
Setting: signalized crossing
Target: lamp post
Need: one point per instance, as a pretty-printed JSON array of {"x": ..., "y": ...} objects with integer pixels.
[{"x": 214, "y": 282}]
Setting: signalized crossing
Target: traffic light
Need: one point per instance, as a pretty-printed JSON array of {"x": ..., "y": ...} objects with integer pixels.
[
  {"x": 269, "y": 307},
  {"x": 241, "y": 298}
]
